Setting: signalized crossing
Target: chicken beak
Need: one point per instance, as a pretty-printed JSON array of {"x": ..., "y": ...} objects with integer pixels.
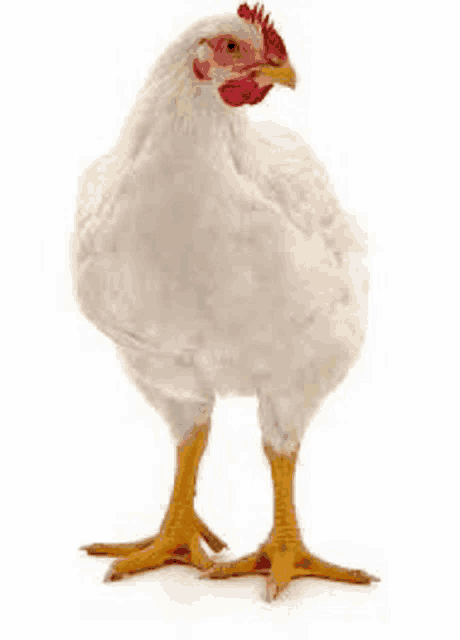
[{"x": 282, "y": 75}]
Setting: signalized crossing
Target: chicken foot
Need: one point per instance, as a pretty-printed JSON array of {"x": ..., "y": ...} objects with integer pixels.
[
  {"x": 125, "y": 548},
  {"x": 284, "y": 557},
  {"x": 181, "y": 529}
]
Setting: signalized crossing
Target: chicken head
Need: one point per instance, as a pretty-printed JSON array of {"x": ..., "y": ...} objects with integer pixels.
[{"x": 245, "y": 68}]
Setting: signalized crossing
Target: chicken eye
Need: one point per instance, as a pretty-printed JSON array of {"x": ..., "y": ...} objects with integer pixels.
[{"x": 232, "y": 47}]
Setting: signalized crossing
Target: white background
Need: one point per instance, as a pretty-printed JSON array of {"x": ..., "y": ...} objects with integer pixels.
[{"x": 85, "y": 459}]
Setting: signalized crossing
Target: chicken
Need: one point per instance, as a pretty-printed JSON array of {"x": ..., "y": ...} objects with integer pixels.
[{"x": 215, "y": 255}]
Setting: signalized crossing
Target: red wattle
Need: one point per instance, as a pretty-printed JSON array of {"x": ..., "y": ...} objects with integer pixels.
[{"x": 245, "y": 91}]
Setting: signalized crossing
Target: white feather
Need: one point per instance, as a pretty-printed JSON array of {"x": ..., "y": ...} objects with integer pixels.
[{"x": 215, "y": 254}]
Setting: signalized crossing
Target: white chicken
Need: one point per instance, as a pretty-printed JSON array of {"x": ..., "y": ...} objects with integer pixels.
[{"x": 218, "y": 261}]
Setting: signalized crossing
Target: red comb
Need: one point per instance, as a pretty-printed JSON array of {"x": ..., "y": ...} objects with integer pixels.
[{"x": 272, "y": 40}]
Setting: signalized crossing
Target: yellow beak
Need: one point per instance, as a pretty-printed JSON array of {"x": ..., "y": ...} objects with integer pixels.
[{"x": 282, "y": 75}]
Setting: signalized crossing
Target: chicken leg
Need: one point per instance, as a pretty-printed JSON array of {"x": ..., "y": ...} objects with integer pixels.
[
  {"x": 180, "y": 531},
  {"x": 283, "y": 556}
]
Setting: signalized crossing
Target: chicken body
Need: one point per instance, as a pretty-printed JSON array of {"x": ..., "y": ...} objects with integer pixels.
[
  {"x": 218, "y": 260},
  {"x": 214, "y": 254}
]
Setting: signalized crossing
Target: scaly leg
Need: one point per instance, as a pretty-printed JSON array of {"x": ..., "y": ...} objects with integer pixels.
[
  {"x": 284, "y": 557},
  {"x": 178, "y": 538}
]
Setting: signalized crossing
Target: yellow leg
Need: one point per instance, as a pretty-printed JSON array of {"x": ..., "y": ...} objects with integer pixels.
[
  {"x": 283, "y": 556},
  {"x": 179, "y": 535}
]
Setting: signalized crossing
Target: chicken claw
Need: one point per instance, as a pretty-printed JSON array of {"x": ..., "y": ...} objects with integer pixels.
[
  {"x": 282, "y": 562},
  {"x": 179, "y": 537},
  {"x": 177, "y": 542},
  {"x": 124, "y": 549}
]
